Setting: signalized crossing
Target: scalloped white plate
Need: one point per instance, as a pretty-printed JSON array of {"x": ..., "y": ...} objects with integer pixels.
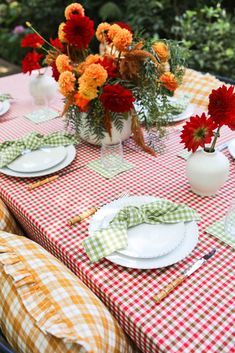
[
  {"x": 4, "y": 107},
  {"x": 71, "y": 154},
  {"x": 231, "y": 148},
  {"x": 144, "y": 240}
]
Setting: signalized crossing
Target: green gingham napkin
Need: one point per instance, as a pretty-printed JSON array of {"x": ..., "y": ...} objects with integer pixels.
[
  {"x": 107, "y": 240},
  {"x": 42, "y": 115},
  {"x": 10, "y": 150},
  {"x": 5, "y": 96},
  {"x": 217, "y": 230},
  {"x": 97, "y": 167}
]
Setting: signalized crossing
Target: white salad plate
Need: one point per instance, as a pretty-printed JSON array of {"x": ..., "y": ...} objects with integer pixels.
[
  {"x": 70, "y": 155},
  {"x": 189, "y": 111},
  {"x": 38, "y": 160},
  {"x": 149, "y": 246},
  {"x": 4, "y": 107},
  {"x": 231, "y": 148}
]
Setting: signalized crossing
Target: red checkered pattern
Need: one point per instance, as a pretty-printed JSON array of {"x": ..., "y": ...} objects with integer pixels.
[{"x": 197, "y": 316}]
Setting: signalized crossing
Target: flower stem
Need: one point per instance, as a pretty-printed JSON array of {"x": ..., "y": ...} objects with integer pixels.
[
  {"x": 35, "y": 31},
  {"x": 217, "y": 134}
]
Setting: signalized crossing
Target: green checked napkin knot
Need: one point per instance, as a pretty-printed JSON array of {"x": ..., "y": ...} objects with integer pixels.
[
  {"x": 10, "y": 150},
  {"x": 107, "y": 240}
]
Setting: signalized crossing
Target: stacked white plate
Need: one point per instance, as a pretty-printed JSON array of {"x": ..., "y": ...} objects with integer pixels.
[
  {"x": 231, "y": 148},
  {"x": 4, "y": 107},
  {"x": 43, "y": 161},
  {"x": 149, "y": 246}
]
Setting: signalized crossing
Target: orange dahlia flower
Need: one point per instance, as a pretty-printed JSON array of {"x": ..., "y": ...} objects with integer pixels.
[
  {"x": 63, "y": 63},
  {"x": 61, "y": 34},
  {"x": 113, "y": 30},
  {"x": 73, "y": 9},
  {"x": 122, "y": 40},
  {"x": 95, "y": 73},
  {"x": 66, "y": 83},
  {"x": 162, "y": 51},
  {"x": 169, "y": 81},
  {"x": 87, "y": 90},
  {"x": 81, "y": 102},
  {"x": 101, "y": 32}
]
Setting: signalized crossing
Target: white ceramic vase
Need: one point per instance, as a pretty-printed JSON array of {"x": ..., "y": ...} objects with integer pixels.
[
  {"x": 117, "y": 136},
  {"x": 207, "y": 171},
  {"x": 42, "y": 88}
]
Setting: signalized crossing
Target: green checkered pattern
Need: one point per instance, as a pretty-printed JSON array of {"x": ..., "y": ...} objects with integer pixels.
[
  {"x": 217, "y": 230},
  {"x": 97, "y": 167},
  {"x": 4, "y": 97},
  {"x": 10, "y": 150},
  {"x": 105, "y": 241},
  {"x": 185, "y": 154}
]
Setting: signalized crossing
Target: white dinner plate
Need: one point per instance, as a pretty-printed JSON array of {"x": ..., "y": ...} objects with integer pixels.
[
  {"x": 38, "y": 160},
  {"x": 71, "y": 153},
  {"x": 179, "y": 253},
  {"x": 5, "y": 106},
  {"x": 145, "y": 241},
  {"x": 231, "y": 148},
  {"x": 189, "y": 111}
]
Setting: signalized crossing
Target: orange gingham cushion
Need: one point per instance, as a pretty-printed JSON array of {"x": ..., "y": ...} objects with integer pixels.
[
  {"x": 7, "y": 222},
  {"x": 199, "y": 86},
  {"x": 44, "y": 308}
]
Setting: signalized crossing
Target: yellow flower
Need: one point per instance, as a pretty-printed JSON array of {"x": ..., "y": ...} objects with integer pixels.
[
  {"x": 73, "y": 9},
  {"x": 95, "y": 74},
  {"x": 113, "y": 30},
  {"x": 169, "y": 81},
  {"x": 61, "y": 34},
  {"x": 88, "y": 90},
  {"x": 162, "y": 51},
  {"x": 101, "y": 31},
  {"x": 122, "y": 40},
  {"x": 62, "y": 63},
  {"x": 66, "y": 83}
]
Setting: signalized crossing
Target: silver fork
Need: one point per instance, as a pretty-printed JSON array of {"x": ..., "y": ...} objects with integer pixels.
[{"x": 92, "y": 210}]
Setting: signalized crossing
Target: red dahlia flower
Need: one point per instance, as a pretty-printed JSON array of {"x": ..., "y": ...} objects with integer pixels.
[
  {"x": 79, "y": 30},
  {"x": 108, "y": 64},
  {"x": 222, "y": 105},
  {"x": 57, "y": 44},
  {"x": 32, "y": 40},
  {"x": 55, "y": 72},
  {"x": 198, "y": 131},
  {"x": 31, "y": 62},
  {"x": 124, "y": 25},
  {"x": 117, "y": 98}
]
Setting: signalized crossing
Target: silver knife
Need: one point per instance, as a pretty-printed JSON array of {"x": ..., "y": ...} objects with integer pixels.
[{"x": 170, "y": 287}]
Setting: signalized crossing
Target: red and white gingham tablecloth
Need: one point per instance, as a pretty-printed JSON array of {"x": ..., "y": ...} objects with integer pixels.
[{"x": 197, "y": 316}]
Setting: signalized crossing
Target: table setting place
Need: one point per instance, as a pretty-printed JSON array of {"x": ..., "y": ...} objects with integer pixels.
[{"x": 5, "y": 99}]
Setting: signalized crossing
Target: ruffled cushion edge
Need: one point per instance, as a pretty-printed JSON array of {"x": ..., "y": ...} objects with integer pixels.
[{"x": 37, "y": 305}]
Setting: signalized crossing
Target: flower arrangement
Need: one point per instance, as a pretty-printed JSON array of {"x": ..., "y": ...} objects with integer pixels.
[
  {"x": 202, "y": 130},
  {"x": 105, "y": 87}
]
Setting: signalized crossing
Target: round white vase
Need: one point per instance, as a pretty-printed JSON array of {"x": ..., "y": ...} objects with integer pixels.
[
  {"x": 207, "y": 171},
  {"x": 42, "y": 88},
  {"x": 117, "y": 136}
]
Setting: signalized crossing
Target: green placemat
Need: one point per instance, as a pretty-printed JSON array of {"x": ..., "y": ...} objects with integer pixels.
[
  {"x": 217, "y": 230},
  {"x": 184, "y": 154},
  {"x": 42, "y": 115},
  {"x": 97, "y": 167}
]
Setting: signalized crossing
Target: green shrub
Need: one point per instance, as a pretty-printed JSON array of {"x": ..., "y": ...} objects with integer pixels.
[{"x": 209, "y": 34}]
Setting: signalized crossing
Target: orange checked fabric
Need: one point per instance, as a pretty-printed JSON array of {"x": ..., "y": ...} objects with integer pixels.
[
  {"x": 46, "y": 309},
  {"x": 7, "y": 221},
  {"x": 199, "y": 86}
]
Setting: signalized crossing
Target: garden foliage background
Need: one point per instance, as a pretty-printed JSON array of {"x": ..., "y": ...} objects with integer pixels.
[{"x": 205, "y": 27}]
